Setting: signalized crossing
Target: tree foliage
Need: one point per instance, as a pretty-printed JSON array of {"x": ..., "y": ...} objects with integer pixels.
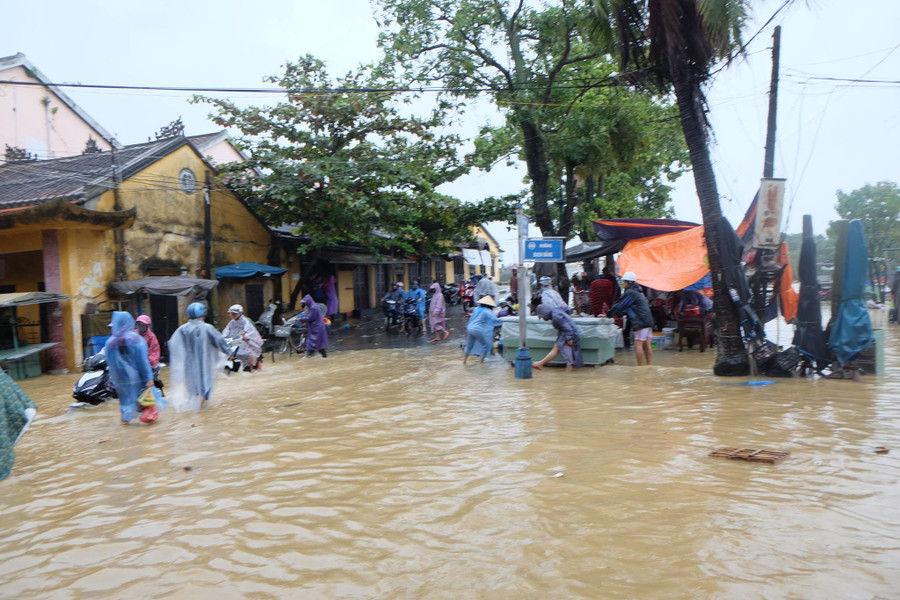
[
  {"x": 590, "y": 147},
  {"x": 344, "y": 163},
  {"x": 878, "y": 207},
  {"x": 824, "y": 253}
]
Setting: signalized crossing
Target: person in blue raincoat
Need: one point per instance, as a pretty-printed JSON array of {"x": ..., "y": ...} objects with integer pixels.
[
  {"x": 197, "y": 354},
  {"x": 316, "y": 333},
  {"x": 129, "y": 368},
  {"x": 417, "y": 294},
  {"x": 568, "y": 339},
  {"x": 16, "y": 413},
  {"x": 480, "y": 330}
]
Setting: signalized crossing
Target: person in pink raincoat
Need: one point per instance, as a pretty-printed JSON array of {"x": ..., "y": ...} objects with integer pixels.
[{"x": 437, "y": 313}]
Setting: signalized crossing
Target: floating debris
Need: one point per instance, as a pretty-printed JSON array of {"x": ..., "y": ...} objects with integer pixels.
[
  {"x": 881, "y": 450},
  {"x": 749, "y": 454}
]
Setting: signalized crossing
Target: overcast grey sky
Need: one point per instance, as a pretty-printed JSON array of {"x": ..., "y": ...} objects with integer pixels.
[{"x": 831, "y": 134}]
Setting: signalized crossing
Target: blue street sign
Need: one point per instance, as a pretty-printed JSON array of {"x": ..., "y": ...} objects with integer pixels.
[{"x": 545, "y": 249}]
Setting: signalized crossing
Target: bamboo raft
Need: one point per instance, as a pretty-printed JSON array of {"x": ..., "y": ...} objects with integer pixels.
[{"x": 749, "y": 454}]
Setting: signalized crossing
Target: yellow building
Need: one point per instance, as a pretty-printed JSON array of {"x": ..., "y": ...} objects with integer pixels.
[{"x": 75, "y": 225}]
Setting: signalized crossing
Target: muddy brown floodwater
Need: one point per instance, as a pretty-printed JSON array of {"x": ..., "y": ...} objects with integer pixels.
[{"x": 397, "y": 473}]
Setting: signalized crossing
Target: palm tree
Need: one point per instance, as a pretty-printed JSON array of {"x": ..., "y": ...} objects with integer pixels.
[{"x": 673, "y": 45}]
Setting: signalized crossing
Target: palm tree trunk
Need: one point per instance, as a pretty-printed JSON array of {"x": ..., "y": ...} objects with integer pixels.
[{"x": 731, "y": 358}]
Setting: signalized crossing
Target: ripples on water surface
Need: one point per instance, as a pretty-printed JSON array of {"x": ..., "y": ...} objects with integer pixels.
[{"x": 402, "y": 475}]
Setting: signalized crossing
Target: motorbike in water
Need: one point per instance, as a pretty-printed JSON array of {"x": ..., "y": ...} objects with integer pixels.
[
  {"x": 94, "y": 387},
  {"x": 451, "y": 294},
  {"x": 233, "y": 364},
  {"x": 393, "y": 314},
  {"x": 467, "y": 296},
  {"x": 411, "y": 319}
]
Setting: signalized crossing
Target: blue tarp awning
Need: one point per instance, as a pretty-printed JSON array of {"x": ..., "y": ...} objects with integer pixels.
[{"x": 247, "y": 269}]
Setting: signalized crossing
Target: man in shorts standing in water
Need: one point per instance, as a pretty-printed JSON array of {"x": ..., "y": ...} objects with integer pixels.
[{"x": 634, "y": 304}]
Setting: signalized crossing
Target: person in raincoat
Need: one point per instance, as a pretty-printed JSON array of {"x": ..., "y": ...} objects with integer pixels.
[
  {"x": 480, "y": 330},
  {"x": 316, "y": 334},
  {"x": 331, "y": 297},
  {"x": 197, "y": 354},
  {"x": 142, "y": 324},
  {"x": 437, "y": 313},
  {"x": 418, "y": 295},
  {"x": 241, "y": 328},
  {"x": 16, "y": 413},
  {"x": 129, "y": 369},
  {"x": 551, "y": 297},
  {"x": 568, "y": 338}
]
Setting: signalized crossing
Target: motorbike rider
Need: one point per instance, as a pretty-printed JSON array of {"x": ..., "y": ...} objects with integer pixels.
[
  {"x": 486, "y": 287},
  {"x": 396, "y": 295},
  {"x": 251, "y": 342},
  {"x": 417, "y": 294}
]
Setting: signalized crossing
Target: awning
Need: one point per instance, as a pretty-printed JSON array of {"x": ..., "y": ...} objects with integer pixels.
[
  {"x": 26, "y": 298},
  {"x": 486, "y": 258},
  {"x": 174, "y": 285},
  {"x": 62, "y": 214},
  {"x": 472, "y": 257},
  {"x": 248, "y": 269},
  {"x": 589, "y": 250},
  {"x": 667, "y": 262},
  {"x": 633, "y": 229}
]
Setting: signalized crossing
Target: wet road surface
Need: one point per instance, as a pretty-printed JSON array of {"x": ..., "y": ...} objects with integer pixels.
[{"x": 394, "y": 472}]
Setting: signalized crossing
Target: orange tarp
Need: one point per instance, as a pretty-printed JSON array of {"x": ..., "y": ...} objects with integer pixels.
[
  {"x": 789, "y": 298},
  {"x": 667, "y": 262}
]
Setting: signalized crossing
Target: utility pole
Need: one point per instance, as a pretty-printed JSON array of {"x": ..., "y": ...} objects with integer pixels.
[
  {"x": 207, "y": 229},
  {"x": 118, "y": 234},
  {"x": 523, "y": 355},
  {"x": 769, "y": 164}
]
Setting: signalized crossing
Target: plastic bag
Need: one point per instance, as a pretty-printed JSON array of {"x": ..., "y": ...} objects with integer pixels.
[{"x": 147, "y": 398}]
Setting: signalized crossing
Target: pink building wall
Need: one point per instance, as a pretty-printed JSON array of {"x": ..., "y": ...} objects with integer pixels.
[{"x": 36, "y": 119}]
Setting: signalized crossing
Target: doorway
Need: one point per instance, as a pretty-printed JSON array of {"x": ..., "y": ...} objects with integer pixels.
[{"x": 164, "y": 315}]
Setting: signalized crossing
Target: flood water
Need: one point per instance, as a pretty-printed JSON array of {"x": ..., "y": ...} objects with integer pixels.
[{"x": 397, "y": 473}]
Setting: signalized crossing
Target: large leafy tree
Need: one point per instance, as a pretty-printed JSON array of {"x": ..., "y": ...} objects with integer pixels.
[
  {"x": 612, "y": 153},
  {"x": 345, "y": 163},
  {"x": 674, "y": 45},
  {"x": 878, "y": 207},
  {"x": 537, "y": 65}
]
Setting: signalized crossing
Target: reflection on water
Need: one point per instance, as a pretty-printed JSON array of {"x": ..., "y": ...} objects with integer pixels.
[{"x": 402, "y": 475}]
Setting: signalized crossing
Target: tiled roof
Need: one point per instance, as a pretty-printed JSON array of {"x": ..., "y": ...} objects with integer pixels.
[
  {"x": 204, "y": 141},
  {"x": 76, "y": 177}
]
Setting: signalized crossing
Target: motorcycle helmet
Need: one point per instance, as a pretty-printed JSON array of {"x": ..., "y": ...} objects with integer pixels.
[
  {"x": 143, "y": 319},
  {"x": 196, "y": 310},
  {"x": 236, "y": 309}
]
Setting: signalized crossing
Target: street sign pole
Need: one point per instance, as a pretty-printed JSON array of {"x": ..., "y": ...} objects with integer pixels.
[{"x": 523, "y": 355}]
